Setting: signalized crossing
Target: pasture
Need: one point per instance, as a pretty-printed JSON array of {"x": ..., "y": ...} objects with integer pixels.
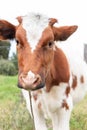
[{"x": 14, "y": 115}]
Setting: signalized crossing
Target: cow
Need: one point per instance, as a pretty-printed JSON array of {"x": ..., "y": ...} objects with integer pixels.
[{"x": 55, "y": 81}]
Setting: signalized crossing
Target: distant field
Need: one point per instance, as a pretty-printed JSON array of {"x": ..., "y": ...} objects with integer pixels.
[{"x": 14, "y": 115}]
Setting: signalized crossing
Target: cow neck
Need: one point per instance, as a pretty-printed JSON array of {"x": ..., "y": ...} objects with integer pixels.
[{"x": 59, "y": 71}]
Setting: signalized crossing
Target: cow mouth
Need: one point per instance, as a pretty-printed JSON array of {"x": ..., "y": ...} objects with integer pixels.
[
  {"x": 35, "y": 86},
  {"x": 41, "y": 85}
]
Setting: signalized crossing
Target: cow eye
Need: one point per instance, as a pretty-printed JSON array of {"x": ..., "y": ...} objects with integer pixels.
[{"x": 50, "y": 43}]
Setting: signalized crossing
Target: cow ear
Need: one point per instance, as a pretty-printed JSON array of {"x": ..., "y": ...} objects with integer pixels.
[
  {"x": 7, "y": 30},
  {"x": 52, "y": 21},
  {"x": 62, "y": 33}
]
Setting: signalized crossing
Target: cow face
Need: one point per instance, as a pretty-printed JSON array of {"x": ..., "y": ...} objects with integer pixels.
[{"x": 35, "y": 36}]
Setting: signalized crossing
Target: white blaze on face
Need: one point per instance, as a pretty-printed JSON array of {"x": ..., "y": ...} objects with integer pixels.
[{"x": 34, "y": 24}]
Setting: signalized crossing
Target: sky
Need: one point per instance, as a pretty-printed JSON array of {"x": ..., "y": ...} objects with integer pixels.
[{"x": 68, "y": 12}]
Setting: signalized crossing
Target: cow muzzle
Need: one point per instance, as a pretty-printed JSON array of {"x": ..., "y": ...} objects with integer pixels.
[{"x": 30, "y": 81}]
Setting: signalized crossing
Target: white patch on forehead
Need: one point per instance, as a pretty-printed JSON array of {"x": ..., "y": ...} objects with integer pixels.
[{"x": 34, "y": 24}]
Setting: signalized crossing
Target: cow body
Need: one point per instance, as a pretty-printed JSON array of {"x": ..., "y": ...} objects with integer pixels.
[
  {"x": 54, "y": 80},
  {"x": 50, "y": 106}
]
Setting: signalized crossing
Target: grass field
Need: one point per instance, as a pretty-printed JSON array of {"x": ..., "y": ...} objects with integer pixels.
[{"x": 14, "y": 115}]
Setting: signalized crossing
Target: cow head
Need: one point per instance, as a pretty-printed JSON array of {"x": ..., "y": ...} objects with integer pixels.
[{"x": 35, "y": 36}]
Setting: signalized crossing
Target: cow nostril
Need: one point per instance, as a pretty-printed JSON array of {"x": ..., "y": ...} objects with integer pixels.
[{"x": 37, "y": 79}]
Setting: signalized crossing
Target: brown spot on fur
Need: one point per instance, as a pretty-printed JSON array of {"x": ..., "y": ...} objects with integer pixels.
[
  {"x": 64, "y": 104},
  {"x": 67, "y": 90},
  {"x": 35, "y": 96},
  {"x": 39, "y": 105},
  {"x": 74, "y": 83},
  {"x": 82, "y": 79}
]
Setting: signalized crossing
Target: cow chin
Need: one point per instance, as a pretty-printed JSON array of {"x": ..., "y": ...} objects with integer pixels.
[{"x": 31, "y": 87}]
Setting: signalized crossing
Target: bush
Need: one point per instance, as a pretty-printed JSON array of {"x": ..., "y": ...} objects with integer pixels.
[
  {"x": 7, "y": 67},
  {"x": 4, "y": 49},
  {"x": 14, "y": 60}
]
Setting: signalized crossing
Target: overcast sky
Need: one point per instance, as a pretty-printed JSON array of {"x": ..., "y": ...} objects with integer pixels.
[{"x": 68, "y": 12}]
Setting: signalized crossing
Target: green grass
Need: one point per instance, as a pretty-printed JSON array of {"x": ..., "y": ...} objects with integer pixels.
[
  {"x": 8, "y": 88},
  {"x": 15, "y": 116},
  {"x": 79, "y": 116},
  {"x": 13, "y": 112}
]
